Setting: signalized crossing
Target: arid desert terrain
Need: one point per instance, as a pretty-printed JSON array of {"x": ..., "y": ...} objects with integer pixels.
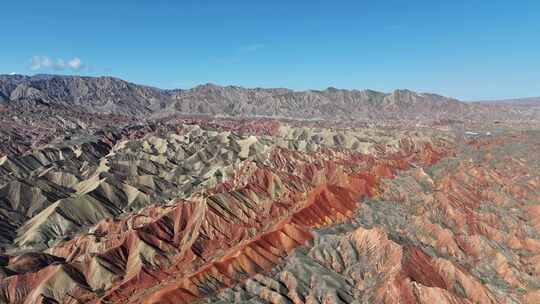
[{"x": 112, "y": 192}]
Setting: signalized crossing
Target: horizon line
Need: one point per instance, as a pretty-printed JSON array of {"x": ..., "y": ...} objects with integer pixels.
[{"x": 272, "y": 88}]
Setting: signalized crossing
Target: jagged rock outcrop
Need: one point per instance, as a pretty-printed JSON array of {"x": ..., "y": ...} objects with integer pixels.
[
  {"x": 114, "y": 96},
  {"x": 91, "y": 94},
  {"x": 460, "y": 231},
  {"x": 266, "y": 200},
  {"x": 116, "y": 193},
  {"x": 329, "y": 104}
]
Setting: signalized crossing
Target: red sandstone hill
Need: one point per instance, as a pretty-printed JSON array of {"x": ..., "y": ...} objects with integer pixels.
[
  {"x": 391, "y": 198},
  {"x": 224, "y": 211}
]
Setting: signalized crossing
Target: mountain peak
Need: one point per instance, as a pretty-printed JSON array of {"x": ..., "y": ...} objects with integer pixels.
[{"x": 113, "y": 95}]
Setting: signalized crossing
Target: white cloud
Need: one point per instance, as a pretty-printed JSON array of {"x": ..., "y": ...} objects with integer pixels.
[
  {"x": 75, "y": 63},
  {"x": 39, "y": 62},
  {"x": 44, "y": 62},
  {"x": 12, "y": 73}
]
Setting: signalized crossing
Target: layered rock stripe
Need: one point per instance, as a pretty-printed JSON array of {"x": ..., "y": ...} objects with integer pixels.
[{"x": 238, "y": 219}]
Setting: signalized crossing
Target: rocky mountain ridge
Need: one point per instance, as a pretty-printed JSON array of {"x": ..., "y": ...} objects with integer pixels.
[
  {"x": 93, "y": 94},
  {"x": 112, "y": 192},
  {"x": 108, "y": 95}
]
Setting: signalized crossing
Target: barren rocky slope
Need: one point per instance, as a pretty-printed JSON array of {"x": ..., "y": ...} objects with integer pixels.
[
  {"x": 115, "y": 193},
  {"x": 23, "y": 129},
  {"x": 461, "y": 231},
  {"x": 530, "y": 101},
  {"x": 328, "y": 104},
  {"x": 90, "y": 94},
  {"x": 232, "y": 205},
  {"x": 268, "y": 212},
  {"x": 114, "y": 96}
]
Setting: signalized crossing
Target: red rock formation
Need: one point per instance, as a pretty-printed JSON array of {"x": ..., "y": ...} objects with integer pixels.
[{"x": 220, "y": 236}]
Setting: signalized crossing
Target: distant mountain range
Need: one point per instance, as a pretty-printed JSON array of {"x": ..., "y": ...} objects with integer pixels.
[
  {"x": 530, "y": 101},
  {"x": 115, "y": 96},
  {"x": 93, "y": 94}
]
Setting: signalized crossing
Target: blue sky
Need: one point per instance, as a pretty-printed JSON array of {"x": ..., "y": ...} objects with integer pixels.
[{"x": 470, "y": 49}]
